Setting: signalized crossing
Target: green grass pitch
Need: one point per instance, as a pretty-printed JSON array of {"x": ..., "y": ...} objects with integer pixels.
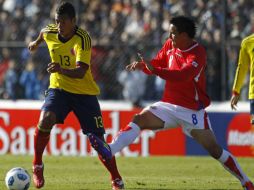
[{"x": 151, "y": 173}]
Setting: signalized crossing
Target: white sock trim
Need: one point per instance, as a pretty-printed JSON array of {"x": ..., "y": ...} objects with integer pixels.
[
  {"x": 135, "y": 127},
  {"x": 224, "y": 156},
  {"x": 124, "y": 138}
]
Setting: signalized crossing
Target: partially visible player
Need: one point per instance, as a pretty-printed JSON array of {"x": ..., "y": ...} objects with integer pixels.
[
  {"x": 181, "y": 62},
  {"x": 245, "y": 65},
  {"x": 72, "y": 88}
]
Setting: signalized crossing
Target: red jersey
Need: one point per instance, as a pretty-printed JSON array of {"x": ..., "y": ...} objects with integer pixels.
[{"x": 184, "y": 72}]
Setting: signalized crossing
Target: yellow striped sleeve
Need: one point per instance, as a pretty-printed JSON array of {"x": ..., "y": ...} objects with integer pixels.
[
  {"x": 85, "y": 39},
  {"x": 51, "y": 28},
  {"x": 242, "y": 68}
]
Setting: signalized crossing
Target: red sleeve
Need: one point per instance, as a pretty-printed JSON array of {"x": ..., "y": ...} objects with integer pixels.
[
  {"x": 194, "y": 65},
  {"x": 160, "y": 60},
  {"x": 146, "y": 70}
]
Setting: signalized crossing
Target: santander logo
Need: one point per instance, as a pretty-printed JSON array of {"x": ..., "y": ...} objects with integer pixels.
[{"x": 240, "y": 135}]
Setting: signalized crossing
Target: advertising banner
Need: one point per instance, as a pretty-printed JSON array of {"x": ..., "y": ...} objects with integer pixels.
[
  {"x": 17, "y": 129},
  {"x": 233, "y": 132}
]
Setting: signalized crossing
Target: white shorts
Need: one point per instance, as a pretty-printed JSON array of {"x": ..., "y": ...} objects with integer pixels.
[{"x": 174, "y": 115}]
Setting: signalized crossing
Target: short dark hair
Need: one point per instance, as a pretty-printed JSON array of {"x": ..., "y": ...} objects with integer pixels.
[
  {"x": 66, "y": 8},
  {"x": 184, "y": 24}
]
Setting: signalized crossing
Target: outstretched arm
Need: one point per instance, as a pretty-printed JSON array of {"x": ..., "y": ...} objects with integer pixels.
[
  {"x": 140, "y": 64},
  {"x": 32, "y": 46}
]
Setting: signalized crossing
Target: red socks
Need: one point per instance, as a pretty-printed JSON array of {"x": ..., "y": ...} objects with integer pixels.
[
  {"x": 111, "y": 167},
  {"x": 41, "y": 140}
]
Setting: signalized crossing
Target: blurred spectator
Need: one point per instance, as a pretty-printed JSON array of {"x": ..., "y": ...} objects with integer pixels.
[
  {"x": 30, "y": 82},
  {"x": 11, "y": 80},
  {"x": 4, "y": 64},
  {"x": 249, "y": 27},
  {"x": 109, "y": 70},
  {"x": 237, "y": 29},
  {"x": 4, "y": 22},
  {"x": 133, "y": 28},
  {"x": 31, "y": 9},
  {"x": 133, "y": 84},
  {"x": 159, "y": 87},
  {"x": 109, "y": 28},
  {"x": 119, "y": 27},
  {"x": 98, "y": 56},
  {"x": 15, "y": 33},
  {"x": 9, "y": 5},
  {"x": 43, "y": 78}
]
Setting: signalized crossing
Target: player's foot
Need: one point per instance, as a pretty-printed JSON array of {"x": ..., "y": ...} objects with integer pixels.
[
  {"x": 117, "y": 184},
  {"x": 248, "y": 186},
  {"x": 38, "y": 178},
  {"x": 100, "y": 146}
]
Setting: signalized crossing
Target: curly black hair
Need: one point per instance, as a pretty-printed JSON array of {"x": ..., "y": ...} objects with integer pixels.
[
  {"x": 184, "y": 24},
  {"x": 66, "y": 8}
]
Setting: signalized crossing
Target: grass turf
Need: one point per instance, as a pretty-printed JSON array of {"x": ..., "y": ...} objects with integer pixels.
[{"x": 151, "y": 173}]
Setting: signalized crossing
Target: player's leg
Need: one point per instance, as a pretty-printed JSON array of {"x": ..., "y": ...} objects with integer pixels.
[
  {"x": 206, "y": 138},
  {"x": 54, "y": 110},
  {"x": 110, "y": 164},
  {"x": 42, "y": 134},
  {"x": 124, "y": 138},
  {"x": 41, "y": 139},
  {"x": 108, "y": 160},
  {"x": 88, "y": 112},
  {"x": 143, "y": 120},
  {"x": 154, "y": 117}
]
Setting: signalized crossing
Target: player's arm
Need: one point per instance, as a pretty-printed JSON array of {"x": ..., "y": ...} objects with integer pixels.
[
  {"x": 140, "y": 64},
  {"x": 192, "y": 68},
  {"x": 136, "y": 65},
  {"x": 185, "y": 74},
  {"x": 147, "y": 67},
  {"x": 32, "y": 46},
  {"x": 241, "y": 71},
  {"x": 78, "y": 72}
]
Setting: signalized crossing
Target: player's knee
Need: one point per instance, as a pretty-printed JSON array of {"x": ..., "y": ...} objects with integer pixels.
[
  {"x": 47, "y": 123},
  {"x": 139, "y": 120},
  {"x": 136, "y": 118},
  {"x": 215, "y": 151}
]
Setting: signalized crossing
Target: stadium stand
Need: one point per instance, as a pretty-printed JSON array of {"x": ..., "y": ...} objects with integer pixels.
[{"x": 120, "y": 28}]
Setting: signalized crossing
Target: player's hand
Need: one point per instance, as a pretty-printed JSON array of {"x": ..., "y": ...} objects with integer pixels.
[
  {"x": 234, "y": 100},
  {"x": 32, "y": 46},
  {"x": 147, "y": 64},
  {"x": 135, "y": 66},
  {"x": 139, "y": 64},
  {"x": 54, "y": 67}
]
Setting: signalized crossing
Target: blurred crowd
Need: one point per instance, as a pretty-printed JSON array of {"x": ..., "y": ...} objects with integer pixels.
[{"x": 119, "y": 29}]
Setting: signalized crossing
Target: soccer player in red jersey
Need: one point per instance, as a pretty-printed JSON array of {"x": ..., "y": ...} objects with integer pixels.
[
  {"x": 72, "y": 88},
  {"x": 181, "y": 62}
]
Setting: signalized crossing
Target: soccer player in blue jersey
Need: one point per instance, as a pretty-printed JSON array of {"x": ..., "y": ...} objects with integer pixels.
[{"x": 72, "y": 88}]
